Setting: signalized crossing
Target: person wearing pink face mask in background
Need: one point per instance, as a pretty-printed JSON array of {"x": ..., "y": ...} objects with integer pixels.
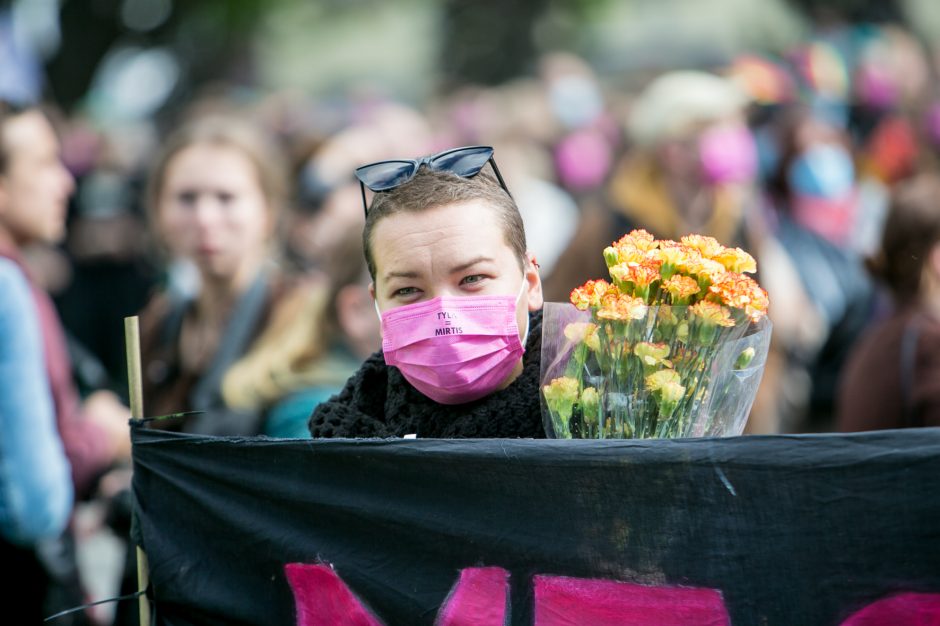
[
  {"x": 459, "y": 298},
  {"x": 814, "y": 199},
  {"x": 690, "y": 169},
  {"x": 694, "y": 160}
]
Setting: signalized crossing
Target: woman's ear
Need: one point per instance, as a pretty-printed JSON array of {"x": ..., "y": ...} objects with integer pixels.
[{"x": 534, "y": 280}]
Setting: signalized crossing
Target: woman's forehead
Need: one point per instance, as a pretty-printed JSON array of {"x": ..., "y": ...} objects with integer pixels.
[
  {"x": 449, "y": 235},
  {"x": 211, "y": 165}
]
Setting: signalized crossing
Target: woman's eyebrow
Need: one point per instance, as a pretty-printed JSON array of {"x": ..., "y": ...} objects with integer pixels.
[
  {"x": 391, "y": 275},
  {"x": 471, "y": 263}
]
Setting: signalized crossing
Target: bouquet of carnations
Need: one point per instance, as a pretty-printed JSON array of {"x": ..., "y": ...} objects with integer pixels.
[{"x": 673, "y": 346}]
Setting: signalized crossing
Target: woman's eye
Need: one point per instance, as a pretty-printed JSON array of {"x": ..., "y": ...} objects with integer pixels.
[
  {"x": 475, "y": 278},
  {"x": 225, "y": 197},
  {"x": 187, "y": 197},
  {"x": 405, "y": 291}
]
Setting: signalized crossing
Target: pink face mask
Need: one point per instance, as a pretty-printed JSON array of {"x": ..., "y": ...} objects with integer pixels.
[
  {"x": 728, "y": 154},
  {"x": 454, "y": 349}
]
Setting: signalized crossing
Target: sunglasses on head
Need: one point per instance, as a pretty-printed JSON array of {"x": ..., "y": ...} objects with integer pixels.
[{"x": 464, "y": 162}]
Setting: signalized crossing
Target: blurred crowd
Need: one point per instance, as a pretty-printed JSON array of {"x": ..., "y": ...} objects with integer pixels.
[
  {"x": 234, "y": 226},
  {"x": 792, "y": 158}
]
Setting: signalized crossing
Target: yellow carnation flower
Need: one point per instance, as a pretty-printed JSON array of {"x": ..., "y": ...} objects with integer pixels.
[
  {"x": 629, "y": 254},
  {"x": 671, "y": 253},
  {"x": 708, "y": 246},
  {"x": 736, "y": 260},
  {"x": 651, "y": 354},
  {"x": 590, "y": 405},
  {"x": 671, "y": 392},
  {"x": 593, "y": 339},
  {"x": 561, "y": 395},
  {"x": 577, "y": 331},
  {"x": 657, "y": 380},
  {"x": 711, "y": 314},
  {"x": 705, "y": 271}
]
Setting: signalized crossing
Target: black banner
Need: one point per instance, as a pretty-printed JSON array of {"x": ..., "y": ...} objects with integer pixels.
[{"x": 749, "y": 531}]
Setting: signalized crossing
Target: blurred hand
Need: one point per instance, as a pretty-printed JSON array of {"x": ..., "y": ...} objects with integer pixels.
[
  {"x": 114, "y": 482},
  {"x": 106, "y": 410}
]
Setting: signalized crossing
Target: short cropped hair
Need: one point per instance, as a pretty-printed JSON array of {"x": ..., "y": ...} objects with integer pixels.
[{"x": 430, "y": 189}]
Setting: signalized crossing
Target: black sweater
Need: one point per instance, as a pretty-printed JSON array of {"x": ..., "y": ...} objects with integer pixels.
[{"x": 378, "y": 402}]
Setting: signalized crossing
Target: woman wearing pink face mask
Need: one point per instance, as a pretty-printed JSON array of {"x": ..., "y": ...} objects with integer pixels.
[
  {"x": 691, "y": 169},
  {"x": 459, "y": 299},
  {"x": 813, "y": 195}
]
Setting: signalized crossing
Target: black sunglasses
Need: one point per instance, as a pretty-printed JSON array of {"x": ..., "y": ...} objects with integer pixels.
[{"x": 464, "y": 162}]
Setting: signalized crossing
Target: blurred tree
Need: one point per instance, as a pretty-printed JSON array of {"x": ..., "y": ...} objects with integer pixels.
[
  {"x": 852, "y": 10},
  {"x": 487, "y": 41},
  {"x": 89, "y": 28},
  {"x": 211, "y": 39}
]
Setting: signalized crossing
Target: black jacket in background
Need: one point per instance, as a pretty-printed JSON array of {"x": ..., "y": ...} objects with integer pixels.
[{"x": 378, "y": 402}]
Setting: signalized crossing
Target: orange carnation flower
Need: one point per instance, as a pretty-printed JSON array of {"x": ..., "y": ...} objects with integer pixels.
[
  {"x": 681, "y": 288},
  {"x": 621, "y": 307},
  {"x": 645, "y": 274},
  {"x": 741, "y": 292},
  {"x": 639, "y": 239},
  {"x": 590, "y": 293}
]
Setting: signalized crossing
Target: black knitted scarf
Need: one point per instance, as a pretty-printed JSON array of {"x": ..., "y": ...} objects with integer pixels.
[{"x": 378, "y": 402}]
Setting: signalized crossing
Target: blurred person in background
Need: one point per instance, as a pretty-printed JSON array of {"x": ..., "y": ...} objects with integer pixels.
[
  {"x": 693, "y": 163},
  {"x": 892, "y": 378},
  {"x": 814, "y": 200},
  {"x": 112, "y": 274},
  {"x": 36, "y": 491},
  {"x": 314, "y": 342},
  {"x": 891, "y": 88},
  {"x": 239, "y": 343},
  {"x": 328, "y": 204},
  {"x": 548, "y": 211},
  {"x": 326, "y": 237},
  {"x": 250, "y": 334},
  {"x": 690, "y": 169},
  {"x": 554, "y": 138},
  {"x": 585, "y": 129},
  {"x": 34, "y": 190}
]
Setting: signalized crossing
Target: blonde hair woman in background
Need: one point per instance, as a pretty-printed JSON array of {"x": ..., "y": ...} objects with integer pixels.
[{"x": 215, "y": 196}]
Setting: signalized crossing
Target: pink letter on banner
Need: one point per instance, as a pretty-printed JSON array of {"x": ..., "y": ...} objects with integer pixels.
[
  {"x": 561, "y": 601},
  {"x": 906, "y": 609},
  {"x": 480, "y": 598},
  {"x": 323, "y": 599}
]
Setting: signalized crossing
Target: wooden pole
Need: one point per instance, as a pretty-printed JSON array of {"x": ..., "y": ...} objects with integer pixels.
[{"x": 136, "y": 392}]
